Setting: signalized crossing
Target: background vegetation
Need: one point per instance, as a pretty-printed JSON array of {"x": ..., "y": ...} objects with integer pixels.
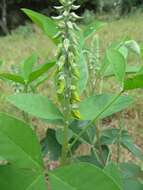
[{"x": 11, "y": 16}]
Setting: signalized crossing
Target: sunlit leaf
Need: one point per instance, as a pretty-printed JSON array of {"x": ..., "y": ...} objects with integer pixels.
[
  {"x": 48, "y": 26},
  {"x": 92, "y": 106},
  {"x": 72, "y": 177},
  {"x": 36, "y": 105}
]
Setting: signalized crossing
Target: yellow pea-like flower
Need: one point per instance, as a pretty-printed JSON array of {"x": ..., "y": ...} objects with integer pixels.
[{"x": 76, "y": 114}]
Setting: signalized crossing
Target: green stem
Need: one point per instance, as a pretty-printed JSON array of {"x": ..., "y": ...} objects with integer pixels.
[
  {"x": 98, "y": 129},
  {"x": 119, "y": 138},
  {"x": 99, "y": 143},
  {"x": 96, "y": 118},
  {"x": 65, "y": 146},
  {"x": 25, "y": 115}
]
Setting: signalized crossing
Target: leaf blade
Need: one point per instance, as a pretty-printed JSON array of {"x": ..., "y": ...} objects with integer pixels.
[{"x": 36, "y": 105}]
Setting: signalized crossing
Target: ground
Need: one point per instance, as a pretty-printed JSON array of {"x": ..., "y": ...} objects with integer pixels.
[{"x": 22, "y": 42}]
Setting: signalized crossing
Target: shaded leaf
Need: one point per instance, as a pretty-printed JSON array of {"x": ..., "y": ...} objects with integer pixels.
[
  {"x": 51, "y": 146},
  {"x": 92, "y": 159},
  {"x": 78, "y": 126},
  {"x": 131, "y": 176},
  {"x": 115, "y": 136}
]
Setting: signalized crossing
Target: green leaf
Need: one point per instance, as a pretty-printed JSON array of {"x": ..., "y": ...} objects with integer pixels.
[
  {"x": 23, "y": 155},
  {"x": 92, "y": 28},
  {"x": 12, "y": 178},
  {"x": 51, "y": 146},
  {"x": 60, "y": 135},
  {"x": 72, "y": 177},
  {"x": 77, "y": 126},
  {"x": 36, "y": 105},
  {"x": 15, "y": 147},
  {"x": 132, "y": 176},
  {"x": 130, "y": 69},
  {"x": 48, "y": 26},
  {"x": 81, "y": 61},
  {"x": 12, "y": 77},
  {"x": 112, "y": 136},
  {"x": 128, "y": 143},
  {"x": 118, "y": 63},
  {"x": 92, "y": 106},
  {"x": 124, "y": 51},
  {"x": 134, "y": 82},
  {"x": 27, "y": 66},
  {"x": 115, "y": 136},
  {"x": 83, "y": 73},
  {"x": 92, "y": 159},
  {"x": 140, "y": 72},
  {"x": 41, "y": 70},
  {"x": 114, "y": 171}
]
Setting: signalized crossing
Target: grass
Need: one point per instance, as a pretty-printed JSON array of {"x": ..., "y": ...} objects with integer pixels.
[
  {"x": 19, "y": 45},
  {"x": 129, "y": 26}
]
